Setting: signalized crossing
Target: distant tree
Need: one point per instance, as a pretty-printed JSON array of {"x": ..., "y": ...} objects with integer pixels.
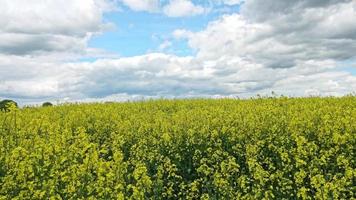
[
  {"x": 5, "y": 103},
  {"x": 47, "y": 104}
]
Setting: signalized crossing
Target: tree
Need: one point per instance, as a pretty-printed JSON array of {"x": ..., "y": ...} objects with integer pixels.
[
  {"x": 47, "y": 104},
  {"x": 5, "y": 103}
]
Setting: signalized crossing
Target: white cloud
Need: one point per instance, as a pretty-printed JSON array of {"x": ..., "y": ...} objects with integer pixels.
[
  {"x": 160, "y": 75},
  {"x": 182, "y": 8},
  {"x": 296, "y": 50},
  {"x": 233, "y": 2},
  {"x": 280, "y": 43},
  {"x": 57, "y": 25},
  {"x": 179, "y": 8},
  {"x": 148, "y": 75},
  {"x": 287, "y": 48},
  {"x": 164, "y": 45},
  {"x": 181, "y": 33},
  {"x": 228, "y": 2},
  {"x": 142, "y": 5}
]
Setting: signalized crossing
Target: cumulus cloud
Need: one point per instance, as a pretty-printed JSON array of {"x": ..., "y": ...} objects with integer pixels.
[
  {"x": 325, "y": 33},
  {"x": 161, "y": 75},
  {"x": 270, "y": 9},
  {"x": 147, "y": 75},
  {"x": 292, "y": 47},
  {"x": 296, "y": 49},
  {"x": 181, "y": 8},
  {"x": 33, "y": 26}
]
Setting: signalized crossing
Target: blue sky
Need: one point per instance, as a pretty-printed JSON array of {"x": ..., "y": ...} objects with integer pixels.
[
  {"x": 137, "y": 33},
  {"x": 117, "y": 50}
]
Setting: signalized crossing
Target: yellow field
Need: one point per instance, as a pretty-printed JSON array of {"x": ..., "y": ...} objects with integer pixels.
[{"x": 271, "y": 148}]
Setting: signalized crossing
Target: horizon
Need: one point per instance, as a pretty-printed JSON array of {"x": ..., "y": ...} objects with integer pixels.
[
  {"x": 149, "y": 99},
  {"x": 124, "y": 50}
]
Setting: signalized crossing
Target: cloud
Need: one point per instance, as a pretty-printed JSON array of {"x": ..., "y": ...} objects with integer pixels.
[
  {"x": 161, "y": 75},
  {"x": 321, "y": 34},
  {"x": 147, "y": 75},
  {"x": 28, "y": 27},
  {"x": 164, "y": 45},
  {"x": 269, "y": 10},
  {"x": 22, "y": 44},
  {"x": 228, "y": 2},
  {"x": 233, "y": 2},
  {"x": 262, "y": 49},
  {"x": 297, "y": 49},
  {"x": 182, "y": 8},
  {"x": 142, "y": 5}
]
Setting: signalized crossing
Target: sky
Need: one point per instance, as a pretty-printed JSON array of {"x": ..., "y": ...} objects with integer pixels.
[{"x": 118, "y": 50}]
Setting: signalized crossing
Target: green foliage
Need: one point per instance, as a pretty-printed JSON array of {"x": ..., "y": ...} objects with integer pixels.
[
  {"x": 266, "y": 148},
  {"x": 47, "y": 104},
  {"x": 6, "y": 104}
]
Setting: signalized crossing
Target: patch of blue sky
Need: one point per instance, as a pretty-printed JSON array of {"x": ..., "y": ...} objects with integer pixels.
[
  {"x": 348, "y": 65},
  {"x": 352, "y": 70},
  {"x": 138, "y": 33}
]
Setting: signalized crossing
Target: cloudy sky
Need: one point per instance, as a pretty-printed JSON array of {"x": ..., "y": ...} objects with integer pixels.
[{"x": 99, "y": 50}]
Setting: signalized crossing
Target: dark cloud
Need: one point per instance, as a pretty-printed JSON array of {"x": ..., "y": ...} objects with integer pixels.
[
  {"x": 24, "y": 44},
  {"x": 266, "y": 10}
]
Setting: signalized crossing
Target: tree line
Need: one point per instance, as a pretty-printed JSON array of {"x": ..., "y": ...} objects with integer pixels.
[{"x": 4, "y": 104}]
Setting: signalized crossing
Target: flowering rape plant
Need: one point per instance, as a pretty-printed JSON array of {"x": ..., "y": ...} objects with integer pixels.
[{"x": 265, "y": 148}]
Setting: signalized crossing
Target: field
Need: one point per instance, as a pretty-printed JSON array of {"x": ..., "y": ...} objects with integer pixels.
[{"x": 272, "y": 148}]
